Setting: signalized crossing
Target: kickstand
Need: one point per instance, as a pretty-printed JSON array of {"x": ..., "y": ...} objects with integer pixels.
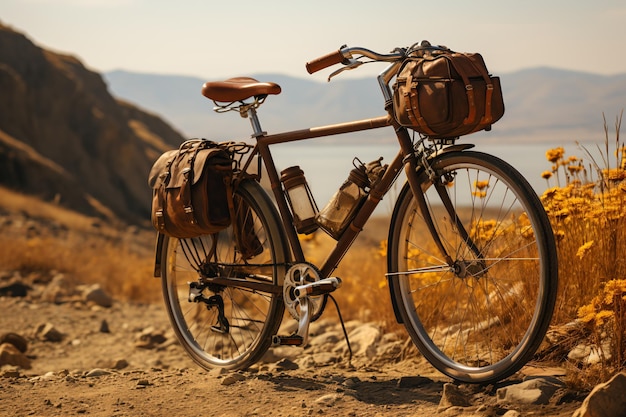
[{"x": 343, "y": 327}]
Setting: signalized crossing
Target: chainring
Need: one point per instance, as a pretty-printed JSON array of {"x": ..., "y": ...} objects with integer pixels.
[{"x": 300, "y": 274}]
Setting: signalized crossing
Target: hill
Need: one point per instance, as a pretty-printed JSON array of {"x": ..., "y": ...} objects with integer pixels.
[
  {"x": 542, "y": 104},
  {"x": 64, "y": 137}
]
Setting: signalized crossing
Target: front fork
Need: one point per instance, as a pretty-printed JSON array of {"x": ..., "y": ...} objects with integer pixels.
[{"x": 419, "y": 170}]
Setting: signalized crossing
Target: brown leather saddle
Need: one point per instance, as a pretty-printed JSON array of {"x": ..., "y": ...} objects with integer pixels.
[{"x": 238, "y": 89}]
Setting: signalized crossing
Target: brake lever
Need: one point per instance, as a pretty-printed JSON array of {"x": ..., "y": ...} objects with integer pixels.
[{"x": 353, "y": 63}]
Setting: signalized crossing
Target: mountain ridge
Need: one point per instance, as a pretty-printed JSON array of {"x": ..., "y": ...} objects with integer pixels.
[
  {"x": 65, "y": 138},
  {"x": 542, "y": 103}
]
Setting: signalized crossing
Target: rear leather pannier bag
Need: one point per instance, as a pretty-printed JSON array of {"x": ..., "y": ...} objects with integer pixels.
[
  {"x": 445, "y": 94},
  {"x": 192, "y": 193}
]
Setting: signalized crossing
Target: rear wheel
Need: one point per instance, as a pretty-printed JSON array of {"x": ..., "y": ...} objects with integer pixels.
[
  {"x": 223, "y": 325},
  {"x": 479, "y": 315}
]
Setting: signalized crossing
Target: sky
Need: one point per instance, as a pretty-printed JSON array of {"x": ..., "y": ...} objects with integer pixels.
[{"x": 213, "y": 39}]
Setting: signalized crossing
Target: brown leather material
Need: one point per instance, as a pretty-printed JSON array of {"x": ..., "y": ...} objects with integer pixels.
[
  {"x": 192, "y": 193},
  {"x": 237, "y": 89},
  {"x": 447, "y": 94}
]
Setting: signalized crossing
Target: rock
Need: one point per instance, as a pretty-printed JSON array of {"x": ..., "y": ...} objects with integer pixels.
[
  {"x": 325, "y": 358},
  {"x": 329, "y": 399},
  {"x": 533, "y": 391},
  {"x": 116, "y": 364},
  {"x": 10, "y": 371},
  {"x": 364, "y": 340},
  {"x": 590, "y": 354},
  {"x": 97, "y": 372},
  {"x": 233, "y": 378},
  {"x": 104, "y": 327},
  {"x": 286, "y": 365},
  {"x": 16, "y": 340},
  {"x": 452, "y": 396},
  {"x": 150, "y": 338},
  {"x": 95, "y": 294},
  {"x": 15, "y": 289},
  {"x": 11, "y": 355},
  {"x": 48, "y": 333},
  {"x": 59, "y": 290},
  {"x": 605, "y": 400}
]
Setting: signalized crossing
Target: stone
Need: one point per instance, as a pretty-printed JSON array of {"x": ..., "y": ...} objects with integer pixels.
[
  {"x": 10, "y": 355},
  {"x": 233, "y": 378},
  {"x": 97, "y": 372},
  {"x": 16, "y": 340},
  {"x": 286, "y": 365},
  {"x": 10, "y": 371},
  {"x": 59, "y": 289},
  {"x": 104, "y": 327},
  {"x": 48, "y": 333},
  {"x": 534, "y": 391},
  {"x": 452, "y": 396},
  {"x": 605, "y": 400},
  {"x": 15, "y": 289},
  {"x": 329, "y": 399},
  {"x": 364, "y": 340},
  {"x": 150, "y": 338},
  {"x": 95, "y": 294}
]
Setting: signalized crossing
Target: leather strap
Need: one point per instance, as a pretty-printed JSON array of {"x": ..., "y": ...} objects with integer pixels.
[{"x": 413, "y": 106}]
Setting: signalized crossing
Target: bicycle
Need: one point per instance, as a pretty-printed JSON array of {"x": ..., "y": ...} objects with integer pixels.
[{"x": 472, "y": 263}]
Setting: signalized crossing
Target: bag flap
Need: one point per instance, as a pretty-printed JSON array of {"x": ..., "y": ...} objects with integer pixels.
[
  {"x": 160, "y": 169},
  {"x": 173, "y": 166},
  {"x": 195, "y": 159}
]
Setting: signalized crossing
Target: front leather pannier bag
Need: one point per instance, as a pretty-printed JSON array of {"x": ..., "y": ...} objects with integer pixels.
[
  {"x": 192, "y": 193},
  {"x": 446, "y": 94}
]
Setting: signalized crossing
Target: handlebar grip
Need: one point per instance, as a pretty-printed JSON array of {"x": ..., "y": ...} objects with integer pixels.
[{"x": 324, "y": 61}]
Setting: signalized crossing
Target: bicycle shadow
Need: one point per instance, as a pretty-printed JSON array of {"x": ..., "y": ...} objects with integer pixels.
[{"x": 373, "y": 391}]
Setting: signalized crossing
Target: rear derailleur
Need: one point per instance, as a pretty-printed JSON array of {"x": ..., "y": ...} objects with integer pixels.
[{"x": 195, "y": 296}]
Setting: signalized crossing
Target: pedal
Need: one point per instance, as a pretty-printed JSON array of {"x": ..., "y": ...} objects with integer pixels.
[
  {"x": 321, "y": 287},
  {"x": 303, "y": 294},
  {"x": 294, "y": 340}
]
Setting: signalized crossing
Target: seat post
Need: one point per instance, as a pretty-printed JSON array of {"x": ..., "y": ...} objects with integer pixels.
[{"x": 256, "y": 124}]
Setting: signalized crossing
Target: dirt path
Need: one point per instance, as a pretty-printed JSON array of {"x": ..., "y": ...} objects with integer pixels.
[{"x": 124, "y": 361}]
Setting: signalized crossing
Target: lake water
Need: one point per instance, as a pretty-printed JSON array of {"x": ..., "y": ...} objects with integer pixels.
[{"x": 326, "y": 165}]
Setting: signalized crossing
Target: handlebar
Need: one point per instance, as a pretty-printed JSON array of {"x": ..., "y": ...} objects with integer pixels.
[
  {"x": 345, "y": 56},
  {"x": 325, "y": 61}
]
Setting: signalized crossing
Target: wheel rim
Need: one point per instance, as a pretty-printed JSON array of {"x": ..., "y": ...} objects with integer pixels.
[
  {"x": 478, "y": 316},
  {"x": 235, "y": 335}
]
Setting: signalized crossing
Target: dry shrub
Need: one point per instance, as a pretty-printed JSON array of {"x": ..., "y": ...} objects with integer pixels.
[
  {"x": 587, "y": 209},
  {"x": 38, "y": 238},
  {"x": 123, "y": 273}
]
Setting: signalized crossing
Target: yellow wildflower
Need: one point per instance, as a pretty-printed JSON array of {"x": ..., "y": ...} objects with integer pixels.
[
  {"x": 587, "y": 313},
  {"x": 555, "y": 154},
  {"x": 584, "y": 249},
  {"x": 546, "y": 175},
  {"x": 382, "y": 251},
  {"x": 481, "y": 185}
]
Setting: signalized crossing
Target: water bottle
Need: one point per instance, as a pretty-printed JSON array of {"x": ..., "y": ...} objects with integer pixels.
[
  {"x": 300, "y": 199},
  {"x": 336, "y": 216}
]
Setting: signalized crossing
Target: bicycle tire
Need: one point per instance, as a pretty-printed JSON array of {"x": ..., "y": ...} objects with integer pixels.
[
  {"x": 250, "y": 317},
  {"x": 482, "y": 318}
]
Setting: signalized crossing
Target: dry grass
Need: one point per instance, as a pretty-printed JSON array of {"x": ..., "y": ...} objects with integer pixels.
[
  {"x": 42, "y": 239},
  {"x": 586, "y": 203}
]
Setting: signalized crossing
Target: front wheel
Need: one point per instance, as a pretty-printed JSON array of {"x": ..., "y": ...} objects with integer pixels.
[
  {"x": 222, "y": 324},
  {"x": 478, "y": 309}
]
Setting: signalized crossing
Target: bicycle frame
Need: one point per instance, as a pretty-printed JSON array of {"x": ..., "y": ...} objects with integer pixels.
[{"x": 405, "y": 157}]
